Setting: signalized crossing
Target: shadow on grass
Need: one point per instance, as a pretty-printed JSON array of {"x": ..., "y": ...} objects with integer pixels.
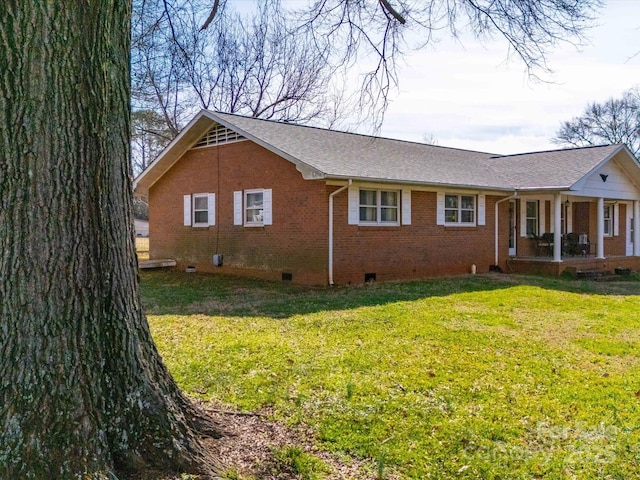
[{"x": 172, "y": 292}]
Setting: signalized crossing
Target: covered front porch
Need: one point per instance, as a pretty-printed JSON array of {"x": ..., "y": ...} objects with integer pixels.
[
  {"x": 575, "y": 209},
  {"x": 573, "y": 231}
]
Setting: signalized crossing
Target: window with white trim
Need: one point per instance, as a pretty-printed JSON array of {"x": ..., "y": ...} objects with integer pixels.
[
  {"x": 459, "y": 209},
  {"x": 252, "y": 208},
  {"x": 608, "y": 220},
  {"x": 532, "y": 217},
  {"x": 379, "y": 207},
  {"x": 199, "y": 210}
]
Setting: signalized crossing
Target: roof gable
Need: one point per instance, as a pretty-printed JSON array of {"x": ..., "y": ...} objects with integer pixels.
[
  {"x": 187, "y": 137},
  {"x": 614, "y": 178}
]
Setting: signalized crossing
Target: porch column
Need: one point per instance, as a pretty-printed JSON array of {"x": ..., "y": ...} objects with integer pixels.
[
  {"x": 557, "y": 228},
  {"x": 600, "y": 236},
  {"x": 636, "y": 228}
]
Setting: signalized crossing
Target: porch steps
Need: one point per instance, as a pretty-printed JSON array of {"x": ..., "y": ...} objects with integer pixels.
[
  {"x": 602, "y": 275},
  {"x": 590, "y": 274}
]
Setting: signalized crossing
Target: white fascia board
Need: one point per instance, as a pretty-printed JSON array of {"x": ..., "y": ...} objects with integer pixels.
[
  {"x": 172, "y": 153},
  {"x": 555, "y": 188},
  {"x": 631, "y": 168},
  {"x": 580, "y": 183}
]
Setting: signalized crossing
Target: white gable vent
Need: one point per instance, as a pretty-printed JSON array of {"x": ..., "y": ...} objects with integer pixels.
[{"x": 217, "y": 135}]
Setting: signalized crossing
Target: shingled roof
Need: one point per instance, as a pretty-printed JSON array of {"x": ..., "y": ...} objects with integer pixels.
[
  {"x": 336, "y": 154},
  {"x": 329, "y": 154},
  {"x": 553, "y": 169}
]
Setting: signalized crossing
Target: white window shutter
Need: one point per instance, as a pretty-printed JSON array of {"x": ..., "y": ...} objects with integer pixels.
[
  {"x": 267, "y": 217},
  {"x": 440, "y": 208},
  {"x": 187, "y": 210},
  {"x": 542, "y": 216},
  {"x": 569, "y": 215},
  {"x": 406, "y": 207},
  {"x": 237, "y": 208},
  {"x": 523, "y": 218},
  {"x": 481, "y": 209},
  {"x": 616, "y": 216},
  {"x": 211, "y": 208},
  {"x": 354, "y": 206}
]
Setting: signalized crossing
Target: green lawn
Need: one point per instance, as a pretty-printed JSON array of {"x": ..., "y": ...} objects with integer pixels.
[{"x": 475, "y": 377}]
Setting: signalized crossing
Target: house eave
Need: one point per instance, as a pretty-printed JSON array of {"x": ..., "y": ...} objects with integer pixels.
[
  {"x": 188, "y": 136},
  {"x": 553, "y": 188},
  {"x": 340, "y": 179}
]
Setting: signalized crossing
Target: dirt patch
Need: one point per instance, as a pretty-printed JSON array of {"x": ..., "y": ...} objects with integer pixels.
[
  {"x": 248, "y": 450},
  {"x": 251, "y": 439}
]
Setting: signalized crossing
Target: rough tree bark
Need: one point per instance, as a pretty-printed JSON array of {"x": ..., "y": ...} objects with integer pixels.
[{"x": 83, "y": 391}]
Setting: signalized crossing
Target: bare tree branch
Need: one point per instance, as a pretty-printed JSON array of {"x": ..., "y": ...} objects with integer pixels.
[
  {"x": 613, "y": 121},
  {"x": 389, "y": 9},
  {"x": 212, "y": 15}
]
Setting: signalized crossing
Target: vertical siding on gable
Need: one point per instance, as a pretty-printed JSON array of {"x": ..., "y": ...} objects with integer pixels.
[{"x": 616, "y": 186}]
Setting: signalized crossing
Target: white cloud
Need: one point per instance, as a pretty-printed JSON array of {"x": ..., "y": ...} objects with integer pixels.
[{"x": 469, "y": 96}]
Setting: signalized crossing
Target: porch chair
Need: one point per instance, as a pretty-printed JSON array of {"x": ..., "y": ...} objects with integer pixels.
[
  {"x": 572, "y": 244},
  {"x": 584, "y": 246}
]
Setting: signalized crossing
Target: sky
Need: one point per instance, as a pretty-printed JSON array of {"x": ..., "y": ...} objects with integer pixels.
[{"x": 470, "y": 96}]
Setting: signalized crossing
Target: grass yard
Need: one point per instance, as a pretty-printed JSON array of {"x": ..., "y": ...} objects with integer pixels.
[{"x": 480, "y": 377}]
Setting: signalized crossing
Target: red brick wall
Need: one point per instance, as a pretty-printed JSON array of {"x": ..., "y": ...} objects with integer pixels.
[
  {"x": 614, "y": 245},
  {"x": 296, "y": 243},
  {"x": 422, "y": 249}
]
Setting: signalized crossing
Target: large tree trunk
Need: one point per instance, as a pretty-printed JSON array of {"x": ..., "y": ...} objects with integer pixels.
[{"x": 83, "y": 391}]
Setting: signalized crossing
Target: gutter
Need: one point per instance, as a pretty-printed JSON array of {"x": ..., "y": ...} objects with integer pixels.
[
  {"x": 331, "y": 195},
  {"x": 496, "y": 223}
]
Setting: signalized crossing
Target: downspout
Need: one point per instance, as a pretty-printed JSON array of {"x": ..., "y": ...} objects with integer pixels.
[
  {"x": 496, "y": 224},
  {"x": 331, "y": 195}
]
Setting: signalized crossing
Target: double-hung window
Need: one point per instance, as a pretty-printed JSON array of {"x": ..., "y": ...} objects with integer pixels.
[
  {"x": 252, "y": 208},
  {"x": 459, "y": 209},
  {"x": 532, "y": 217},
  {"x": 608, "y": 220},
  {"x": 200, "y": 210},
  {"x": 379, "y": 207}
]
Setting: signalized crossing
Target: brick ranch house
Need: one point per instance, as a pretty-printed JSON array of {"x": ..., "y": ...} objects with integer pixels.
[{"x": 281, "y": 201}]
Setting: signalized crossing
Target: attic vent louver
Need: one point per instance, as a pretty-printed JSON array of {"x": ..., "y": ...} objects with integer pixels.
[{"x": 217, "y": 135}]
